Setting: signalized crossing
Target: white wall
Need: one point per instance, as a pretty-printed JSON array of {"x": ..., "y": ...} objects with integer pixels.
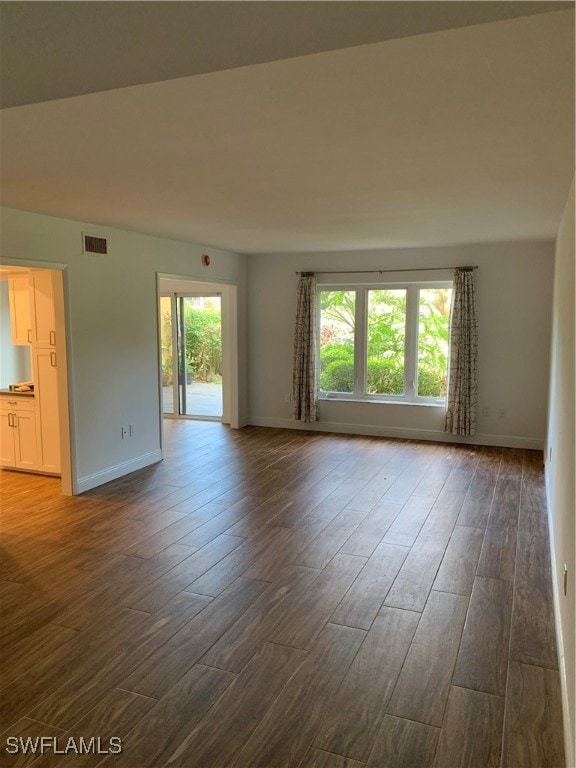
[
  {"x": 15, "y": 359},
  {"x": 113, "y": 332},
  {"x": 514, "y": 295},
  {"x": 561, "y": 464}
]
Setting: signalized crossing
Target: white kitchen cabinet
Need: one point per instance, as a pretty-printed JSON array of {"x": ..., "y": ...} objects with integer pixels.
[
  {"x": 43, "y": 315},
  {"x": 20, "y": 310},
  {"x": 32, "y": 316},
  {"x": 48, "y": 426},
  {"x": 7, "y": 449},
  {"x": 18, "y": 448}
]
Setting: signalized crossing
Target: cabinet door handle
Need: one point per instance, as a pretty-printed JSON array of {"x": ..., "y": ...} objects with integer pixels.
[
  {"x": 11, "y": 420},
  {"x": 29, "y": 335},
  {"x": 53, "y": 359},
  {"x": 53, "y": 338}
]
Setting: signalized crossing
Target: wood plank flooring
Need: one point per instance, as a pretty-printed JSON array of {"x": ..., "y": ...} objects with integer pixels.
[{"x": 273, "y": 598}]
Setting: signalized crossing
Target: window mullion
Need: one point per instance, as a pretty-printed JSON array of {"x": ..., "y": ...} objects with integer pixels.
[
  {"x": 360, "y": 342},
  {"x": 318, "y": 336},
  {"x": 411, "y": 348}
]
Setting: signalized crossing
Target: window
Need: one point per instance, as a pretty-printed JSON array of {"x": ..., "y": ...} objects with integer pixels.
[{"x": 387, "y": 342}]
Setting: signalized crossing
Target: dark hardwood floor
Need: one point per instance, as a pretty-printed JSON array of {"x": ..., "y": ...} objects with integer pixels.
[{"x": 280, "y": 598}]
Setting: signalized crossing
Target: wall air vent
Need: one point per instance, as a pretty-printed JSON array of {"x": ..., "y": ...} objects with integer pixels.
[{"x": 93, "y": 244}]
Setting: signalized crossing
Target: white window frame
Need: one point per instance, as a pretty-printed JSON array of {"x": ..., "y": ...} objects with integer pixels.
[{"x": 410, "y": 394}]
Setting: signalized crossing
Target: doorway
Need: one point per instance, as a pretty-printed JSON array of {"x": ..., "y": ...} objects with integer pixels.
[
  {"x": 34, "y": 357},
  {"x": 191, "y": 355}
]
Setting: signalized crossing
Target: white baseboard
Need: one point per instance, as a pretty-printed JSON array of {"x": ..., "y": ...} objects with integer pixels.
[
  {"x": 502, "y": 441},
  {"x": 569, "y": 735},
  {"x": 119, "y": 470}
]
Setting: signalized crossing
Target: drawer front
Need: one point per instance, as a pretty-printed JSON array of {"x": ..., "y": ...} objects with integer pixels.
[{"x": 8, "y": 403}]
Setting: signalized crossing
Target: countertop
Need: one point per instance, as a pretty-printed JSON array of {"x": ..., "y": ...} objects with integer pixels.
[{"x": 11, "y": 393}]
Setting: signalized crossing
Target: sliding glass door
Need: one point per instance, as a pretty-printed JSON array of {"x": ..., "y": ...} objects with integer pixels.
[
  {"x": 168, "y": 344},
  {"x": 191, "y": 340}
]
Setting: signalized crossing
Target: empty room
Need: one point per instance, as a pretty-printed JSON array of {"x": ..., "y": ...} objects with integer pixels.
[{"x": 287, "y": 384}]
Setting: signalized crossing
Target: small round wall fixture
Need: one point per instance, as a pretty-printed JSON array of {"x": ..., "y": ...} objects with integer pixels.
[{"x": 206, "y": 260}]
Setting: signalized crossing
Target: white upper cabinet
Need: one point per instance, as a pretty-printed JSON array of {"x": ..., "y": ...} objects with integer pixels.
[
  {"x": 20, "y": 310},
  {"x": 43, "y": 317},
  {"x": 32, "y": 317}
]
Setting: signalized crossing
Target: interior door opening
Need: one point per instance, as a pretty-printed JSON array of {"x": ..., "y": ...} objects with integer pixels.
[
  {"x": 34, "y": 374},
  {"x": 191, "y": 356}
]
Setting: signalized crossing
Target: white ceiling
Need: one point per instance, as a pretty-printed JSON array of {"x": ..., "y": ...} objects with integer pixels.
[
  {"x": 52, "y": 50},
  {"x": 460, "y": 135}
]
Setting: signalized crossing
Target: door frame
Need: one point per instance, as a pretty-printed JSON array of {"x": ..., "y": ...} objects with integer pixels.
[
  {"x": 167, "y": 285},
  {"x": 65, "y": 388}
]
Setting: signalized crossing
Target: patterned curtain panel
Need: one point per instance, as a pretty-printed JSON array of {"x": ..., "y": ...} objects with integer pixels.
[
  {"x": 304, "y": 379},
  {"x": 462, "y": 385}
]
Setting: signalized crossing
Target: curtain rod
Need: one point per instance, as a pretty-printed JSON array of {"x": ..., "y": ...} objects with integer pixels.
[{"x": 381, "y": 271}]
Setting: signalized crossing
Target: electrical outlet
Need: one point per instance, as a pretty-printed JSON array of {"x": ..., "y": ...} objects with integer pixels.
[
  {"x": 486, "y": 411},
  {"x": 502, "y": 413},
  {"x": 287, "y": 398}
]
